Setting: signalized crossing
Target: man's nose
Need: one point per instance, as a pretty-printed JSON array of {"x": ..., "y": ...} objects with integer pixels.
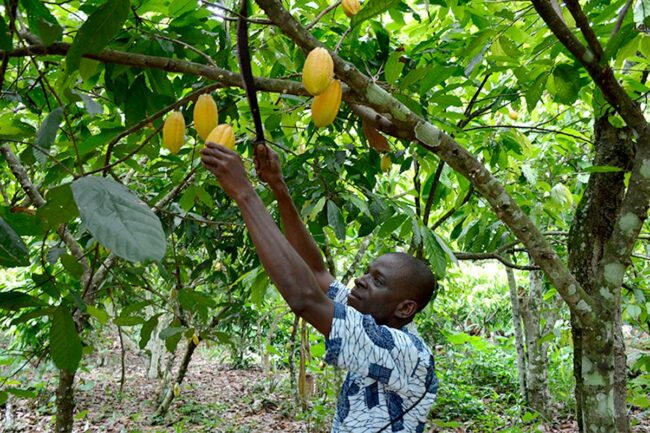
[{"x": 359, "y": 282}]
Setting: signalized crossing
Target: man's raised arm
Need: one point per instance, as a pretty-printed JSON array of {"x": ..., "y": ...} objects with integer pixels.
[
  {"x": 293, "y": 278},
  {"x": 268, "y": 169}
]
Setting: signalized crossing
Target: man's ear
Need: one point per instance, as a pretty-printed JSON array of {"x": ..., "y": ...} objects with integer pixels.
[{"x": 406, "y": 309}]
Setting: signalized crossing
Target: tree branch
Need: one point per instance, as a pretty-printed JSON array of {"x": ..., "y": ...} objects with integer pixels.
[
  {"x": 603, "y": 75},
  {"x": 452, "y": 153},
  {"x": 494, "y": 256},
  {"x": 37, "y": 199},
  {"x": 585, "y": 28},
  {"x": 621, "y": 17}
]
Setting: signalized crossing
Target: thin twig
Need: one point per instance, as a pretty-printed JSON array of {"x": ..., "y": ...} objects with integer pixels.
[
  {"x": 530, "y": 128},
  {"x": 321, "y": 14}
]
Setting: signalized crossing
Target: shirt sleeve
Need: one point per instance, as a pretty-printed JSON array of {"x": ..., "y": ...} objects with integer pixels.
[
  {"x": 357, "y": 343},
  {"x": 338, "y": 292}
]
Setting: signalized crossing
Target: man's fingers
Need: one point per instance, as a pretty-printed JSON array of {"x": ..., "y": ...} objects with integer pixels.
[
  {"x": 219, "y": 147},
  {"x": 210, "y": 161}
]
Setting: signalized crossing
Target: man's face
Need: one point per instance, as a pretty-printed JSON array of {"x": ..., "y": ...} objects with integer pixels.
[{"x": 377, "y": 291}]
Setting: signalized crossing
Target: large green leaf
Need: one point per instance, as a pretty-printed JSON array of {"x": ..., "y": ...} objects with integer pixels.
[
  {"x": 371, "y": 9},
  {"x": 118, "y": 219},
  {"x": 567, "y": 84},
  {"x": 15, "y": 300},
  {"x": 13, "y": 251},
  {"x": 65, "y": 344},
  {"x": 98, "y": 30}
]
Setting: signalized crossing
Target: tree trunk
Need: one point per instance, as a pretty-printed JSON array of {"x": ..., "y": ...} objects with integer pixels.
[
  {"x": 65, "y": 402},
  {"x": 519, "y": 337},
  {"x": 538, "y": 395},
  {"x": 155, "y": 347},
  {"x": 599, "y": 352},
  {"x": 169, "y": 394}
]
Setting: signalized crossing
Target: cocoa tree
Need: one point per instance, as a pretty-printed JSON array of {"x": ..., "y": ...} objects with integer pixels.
[{"x": 440, "y": 79}]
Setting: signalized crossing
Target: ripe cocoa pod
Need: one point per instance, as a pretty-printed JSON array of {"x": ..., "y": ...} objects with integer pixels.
[
  {"x": 351, "y": 7},
  {"x": 513, "y": 115},
  {"x": 223, "y": 135},
  {"x": 386, "y": 163},
  {"x": 326, "y": 106},
  {"x": 318, "y": 72},
  {"x": 174, "y": 132},
  {"x": 206, "y": 115}
]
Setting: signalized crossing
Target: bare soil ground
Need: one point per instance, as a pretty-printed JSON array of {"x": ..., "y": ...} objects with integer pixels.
[{"x": 214, "y": 398}]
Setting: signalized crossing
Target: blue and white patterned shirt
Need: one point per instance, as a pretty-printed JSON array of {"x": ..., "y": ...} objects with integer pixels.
[{"x": 389, "y": 370}]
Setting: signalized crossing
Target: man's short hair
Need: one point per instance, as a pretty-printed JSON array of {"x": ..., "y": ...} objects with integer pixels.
[{"x": 422, "y": 284}]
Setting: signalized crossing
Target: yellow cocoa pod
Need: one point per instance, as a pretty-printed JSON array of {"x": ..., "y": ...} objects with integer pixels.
[
  {"x": 206, "y": 115},
  {"x": 195, "y": 340},
  {"x": 318, "y": 71},
  {"x": 386, "y": 163},
  {"x": 351, "y": 7},
  {"x": 223, "y": 135},
  {"x": 174, "y": 132},
  {"x": 325, "y": 106},
  {"x": 513, "y": 115}
]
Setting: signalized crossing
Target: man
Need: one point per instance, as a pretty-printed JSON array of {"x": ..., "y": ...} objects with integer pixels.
[{"x": 391, "y": 382}]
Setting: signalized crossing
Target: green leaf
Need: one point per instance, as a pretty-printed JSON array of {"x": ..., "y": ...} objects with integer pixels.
[
  {"x": 15, "y": 300},
  {"x": 97, "y": 31},
  {"x": 393, "y": 67},
  {"x": 22, "y": 393},
  {"x": 13, "y": 251},
  {"x": 172, "y": 335},
  {"x": 3, "y": 397},
  {"x": 100, "y": 315},
  {"x": 128, "y": 321},
  {"x": 5, "y": 38},
  {"x": 59, "y": 207},
  {"x": 567, "y": 84},
  {"x": 259, "y": 286},
  {"x": 11, "y": 127},
  {"x": 42, "y": 22},
  {"x": 92, "y": 107},
  {"x": 87, "y": 68},
  {"x": 119, "y": 220},
  {"x": 147, "y": 329},
  {"x": 46, "y": 134},
  {"x": 190, "y": 299},
  {"x": 65, "y": 344},
  {"x": 391, "y": 224},
  {"x": 371, "y": 9},
  {"x": 620, "y": 39},
  {"x": 534, "y": 91},
  {"x": 71, "y": 265},
  {"x": 601, "y": 169},
  {"x": 334, "y": 219}
]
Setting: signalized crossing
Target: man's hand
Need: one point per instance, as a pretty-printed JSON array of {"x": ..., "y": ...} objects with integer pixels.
[
  {"x": 227, "y": 167},
  {"x": 267, "y": 165}
]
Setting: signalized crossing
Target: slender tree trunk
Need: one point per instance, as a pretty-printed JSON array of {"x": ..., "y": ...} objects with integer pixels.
[
  {"x": 168, "y": 396},
  {"x": 576, "y": 335},
  {"x": 599, "y": 351},
  {"x": 519, "y": 337},
  {"x": 9, "y": 416},
  {"x": 65, "y": 402},
  {"x": 620, "y": 374},
  {"x": 538, "y": 395}
]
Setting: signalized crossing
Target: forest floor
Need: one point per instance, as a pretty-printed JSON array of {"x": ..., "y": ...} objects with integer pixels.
[{"x": 214, "y": 398}]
